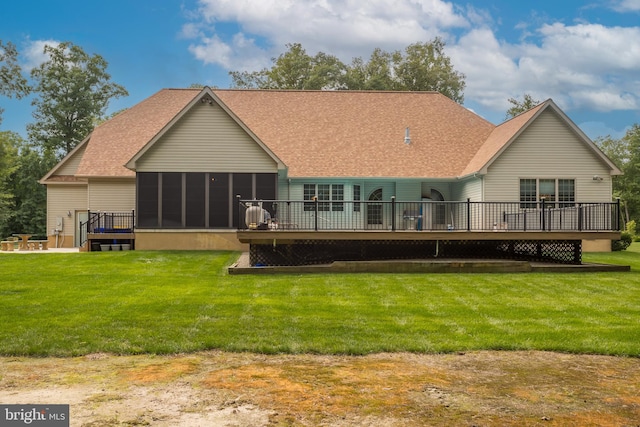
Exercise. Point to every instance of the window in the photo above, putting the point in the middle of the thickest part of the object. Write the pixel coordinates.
(323, 193)
(356, 198)
(337, 193)
(308, 193)
(566, 192)
(547, 190)
(326, 194)
(374, 210)
(528, 193)
(560, 191)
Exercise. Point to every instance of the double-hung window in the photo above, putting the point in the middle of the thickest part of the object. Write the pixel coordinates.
(556, 192)
(329, 196)
(566, 192)
(528, 193)
(357, 196)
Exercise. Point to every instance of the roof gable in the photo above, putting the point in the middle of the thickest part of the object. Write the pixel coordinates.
(68, 166)
(203, 98)
(505, 134)
(115, 141)
(499, 139)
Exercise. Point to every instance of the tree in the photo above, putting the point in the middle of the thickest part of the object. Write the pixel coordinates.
(291, 70)
(327, 72)
(628, 184)
(12, 82)
(615, 149)
(9, 142)
(519, 107)
(250, 80)
(421, 67)
(23, 201)
(294, 69)
(30, 197)
(625, 152)
(425, 67)
(373, 75)
(74, 91)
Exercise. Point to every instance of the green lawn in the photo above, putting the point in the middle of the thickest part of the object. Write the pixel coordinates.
(170, 302)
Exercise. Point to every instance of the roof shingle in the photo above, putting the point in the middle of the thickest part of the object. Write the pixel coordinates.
(116, 141)
(498, 138)
(318, 133)
(361, 134)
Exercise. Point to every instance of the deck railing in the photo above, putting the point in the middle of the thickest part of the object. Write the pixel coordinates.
(106, 222)
(394, 215)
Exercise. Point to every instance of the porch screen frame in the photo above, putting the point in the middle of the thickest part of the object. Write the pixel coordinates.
(166, 200)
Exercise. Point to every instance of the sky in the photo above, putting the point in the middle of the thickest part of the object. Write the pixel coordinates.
(585, 55)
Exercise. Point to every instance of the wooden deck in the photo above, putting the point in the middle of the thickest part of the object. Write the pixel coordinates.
(291, 236)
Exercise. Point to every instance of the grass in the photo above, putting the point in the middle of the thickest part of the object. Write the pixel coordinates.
(172, 302)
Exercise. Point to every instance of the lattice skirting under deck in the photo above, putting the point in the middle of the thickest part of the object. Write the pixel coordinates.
(310, 252)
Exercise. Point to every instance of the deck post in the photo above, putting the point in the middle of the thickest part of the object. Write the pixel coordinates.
(468, 214)
(315, 203)
(393, 213)
(543, 218)
(579, 216)
(619, 216)
(240, 220)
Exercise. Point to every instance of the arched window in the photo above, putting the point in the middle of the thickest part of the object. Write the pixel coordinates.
(374, 210)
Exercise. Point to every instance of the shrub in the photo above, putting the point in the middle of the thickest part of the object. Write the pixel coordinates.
(631, 227)
(625, 240)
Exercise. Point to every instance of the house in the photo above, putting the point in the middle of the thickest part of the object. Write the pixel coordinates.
(175, 162)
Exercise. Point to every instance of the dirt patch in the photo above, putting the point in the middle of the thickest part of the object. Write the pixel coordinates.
(228, 389)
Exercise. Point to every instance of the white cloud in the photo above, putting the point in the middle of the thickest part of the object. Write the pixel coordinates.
(344, 28)
(580, 66)
(490, 70)
(626, 5)
(33, 53)
(605, 99)
(191, 30)
(593, 46)
(240, 53)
